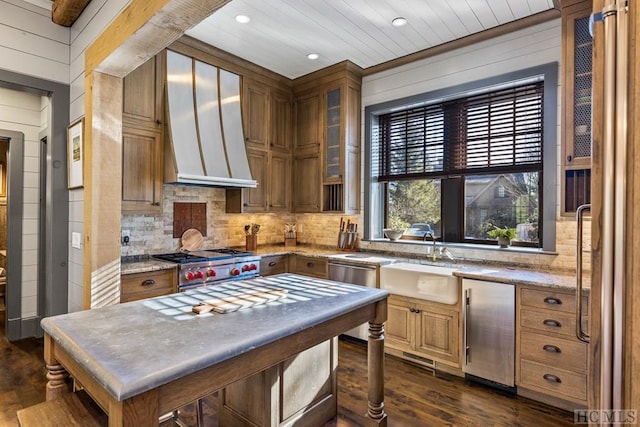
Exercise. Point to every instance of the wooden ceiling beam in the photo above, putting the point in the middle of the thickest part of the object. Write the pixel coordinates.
(65, 12)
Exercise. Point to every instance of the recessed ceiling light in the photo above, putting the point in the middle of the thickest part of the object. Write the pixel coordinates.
(399, 21)
(313, 56)
(243, 19)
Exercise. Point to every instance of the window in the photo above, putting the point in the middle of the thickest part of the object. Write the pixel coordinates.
(464, 164)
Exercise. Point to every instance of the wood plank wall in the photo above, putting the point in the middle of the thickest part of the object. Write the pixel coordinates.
(25, 112)
(31, 44)
(94, 19)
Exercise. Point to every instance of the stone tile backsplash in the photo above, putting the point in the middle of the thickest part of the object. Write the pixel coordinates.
(154, 234)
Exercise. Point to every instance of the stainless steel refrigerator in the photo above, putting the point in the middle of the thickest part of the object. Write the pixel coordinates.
(489, 332)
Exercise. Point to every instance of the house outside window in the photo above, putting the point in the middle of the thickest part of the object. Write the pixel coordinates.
(464, 164)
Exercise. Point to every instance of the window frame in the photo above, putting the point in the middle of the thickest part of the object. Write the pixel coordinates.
(374, 194)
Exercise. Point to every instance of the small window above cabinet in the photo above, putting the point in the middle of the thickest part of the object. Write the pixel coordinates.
(577, 89)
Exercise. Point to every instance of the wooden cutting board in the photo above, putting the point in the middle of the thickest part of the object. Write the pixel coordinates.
(191, 240)
(228, 304)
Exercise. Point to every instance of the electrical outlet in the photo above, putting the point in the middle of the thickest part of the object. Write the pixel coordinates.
(126, 237)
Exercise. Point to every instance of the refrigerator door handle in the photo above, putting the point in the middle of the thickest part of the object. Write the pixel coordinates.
(467, 296)
(581, 334)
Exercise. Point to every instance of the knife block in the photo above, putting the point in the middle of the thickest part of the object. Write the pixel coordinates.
(252, 242)
(347, 240)
(290, 241)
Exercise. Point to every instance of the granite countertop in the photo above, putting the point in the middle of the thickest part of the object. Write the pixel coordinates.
(145, 265)
(489, 272)
(127, 359)
(514, 276)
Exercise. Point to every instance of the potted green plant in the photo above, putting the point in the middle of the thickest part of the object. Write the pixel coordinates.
(504, 235)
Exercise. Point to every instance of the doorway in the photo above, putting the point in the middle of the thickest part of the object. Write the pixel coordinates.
(14, 143)
(4, 147)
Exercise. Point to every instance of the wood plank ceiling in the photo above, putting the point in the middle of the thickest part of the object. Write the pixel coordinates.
(281, 33)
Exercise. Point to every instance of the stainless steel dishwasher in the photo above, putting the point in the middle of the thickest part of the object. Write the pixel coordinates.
(363, 274)
(489, 332)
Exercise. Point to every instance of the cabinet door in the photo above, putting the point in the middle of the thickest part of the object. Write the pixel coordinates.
(142, 173)
(138, 286)
(437, 333)
(255, 199)
(308, 122)
(578, 82)
(333, 147)
(576, 105)
(280, 119)
(279, 182)
(310, 266)
(142, 95)
(274, 264)
(400, 325)
(306, 183)
(255, 113)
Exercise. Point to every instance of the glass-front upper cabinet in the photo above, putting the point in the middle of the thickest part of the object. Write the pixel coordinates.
(577, 91)
(333, 132)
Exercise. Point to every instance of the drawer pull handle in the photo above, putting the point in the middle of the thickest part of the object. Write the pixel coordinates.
(552, 378)
(309, 265)
(149, 282)
(272, 263)
(551, 322)
(553, 301)
(551, 348)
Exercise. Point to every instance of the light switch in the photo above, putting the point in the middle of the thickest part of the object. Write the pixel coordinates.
(76, 240)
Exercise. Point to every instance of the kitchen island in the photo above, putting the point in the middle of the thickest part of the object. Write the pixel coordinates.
(142, 359)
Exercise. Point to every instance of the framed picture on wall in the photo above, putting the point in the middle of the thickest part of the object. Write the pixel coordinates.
(75, 153)
(3, 180)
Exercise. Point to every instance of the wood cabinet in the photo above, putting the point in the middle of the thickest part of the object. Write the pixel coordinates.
(576, 104)
(267, 116)
(299, 391)
(142, 166)
(306, 182)
(550, 361)
(148, 284)
(274, 264)
(310, 266)
(143, 138)
(308, 121)
(425, 329)
(143, 96)
(267, 119)
(326, 169)
(272, 170)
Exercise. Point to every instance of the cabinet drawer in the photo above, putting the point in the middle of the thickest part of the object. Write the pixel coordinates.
(544, 321)
(275, 264)
(557, 301)
(552, 351)
(559, 382)
(309, 266)
(146, 285)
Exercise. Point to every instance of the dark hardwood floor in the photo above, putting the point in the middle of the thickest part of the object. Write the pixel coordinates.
(414, 396)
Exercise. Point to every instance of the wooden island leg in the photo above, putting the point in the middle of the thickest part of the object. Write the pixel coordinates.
(376, 415)
(58, 378)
